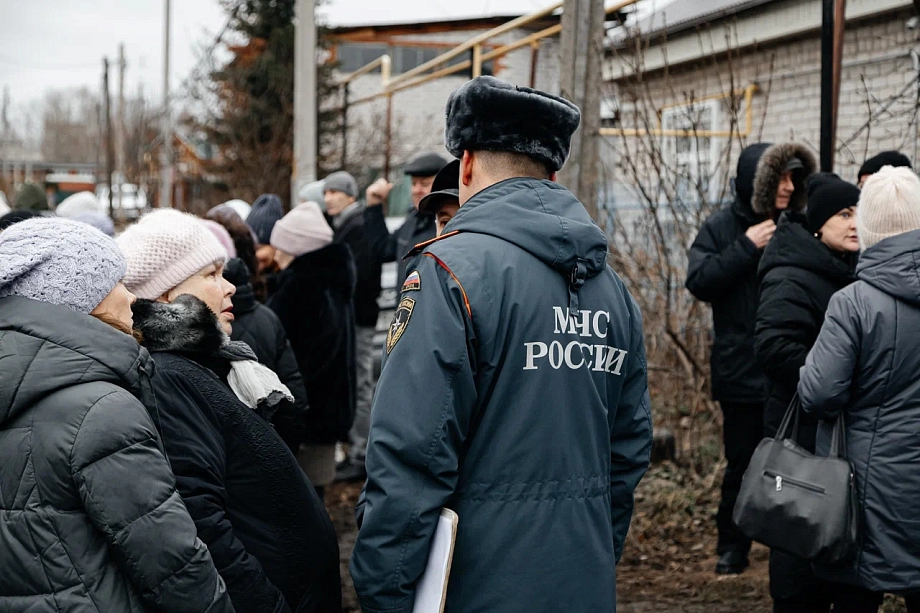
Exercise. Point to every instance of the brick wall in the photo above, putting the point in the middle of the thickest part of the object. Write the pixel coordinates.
(878, 72)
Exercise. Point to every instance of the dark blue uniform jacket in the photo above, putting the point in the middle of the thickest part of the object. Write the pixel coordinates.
(514, 391)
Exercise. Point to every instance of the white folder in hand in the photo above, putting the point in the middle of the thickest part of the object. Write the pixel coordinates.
(431, 593)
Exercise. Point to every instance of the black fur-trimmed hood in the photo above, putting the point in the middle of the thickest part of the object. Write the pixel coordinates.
(185, 325)
(770, 169)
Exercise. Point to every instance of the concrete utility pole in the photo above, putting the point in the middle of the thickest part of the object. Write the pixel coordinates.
(107, 104)
(305, 111)
(582, 41)
(166, 152)
(120, 127)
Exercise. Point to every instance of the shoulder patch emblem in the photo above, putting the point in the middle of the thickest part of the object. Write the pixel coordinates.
(413, 282)
(400, 321)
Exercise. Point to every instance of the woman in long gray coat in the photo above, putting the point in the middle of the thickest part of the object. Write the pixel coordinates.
(866, 365)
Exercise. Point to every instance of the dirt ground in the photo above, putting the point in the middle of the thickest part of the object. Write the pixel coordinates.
(669, 559)
(673, 575)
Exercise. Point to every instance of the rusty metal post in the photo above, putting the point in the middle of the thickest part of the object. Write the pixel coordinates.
(389, 136)
(839, 30)
(345, 125)
(827, 86)
(477, 61)
(534, 56)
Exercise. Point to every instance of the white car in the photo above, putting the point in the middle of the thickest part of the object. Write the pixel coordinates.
(133, 200)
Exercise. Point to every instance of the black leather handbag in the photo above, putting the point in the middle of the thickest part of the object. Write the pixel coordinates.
(797, 502)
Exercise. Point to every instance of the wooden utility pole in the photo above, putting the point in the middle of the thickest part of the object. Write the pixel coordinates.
(305, 106)
(582, 53)
(109, 152)
(166, 153)
(120, 128)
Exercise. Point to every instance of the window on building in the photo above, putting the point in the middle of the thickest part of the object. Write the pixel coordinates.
(609, 112)
(693, 158)
(353, 56)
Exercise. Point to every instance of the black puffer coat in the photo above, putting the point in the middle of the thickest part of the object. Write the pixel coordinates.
(865, 364)
(257, 325)
(723, 268)
(349, 230)
(269, 534)
(799, 275)
(313, 300)
(90, 520)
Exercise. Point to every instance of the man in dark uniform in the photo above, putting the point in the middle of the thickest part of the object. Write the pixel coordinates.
(514, 389)
(417, 228)
(444, 200)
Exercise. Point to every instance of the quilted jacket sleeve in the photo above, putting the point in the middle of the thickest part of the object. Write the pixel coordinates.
(195, 444)
(714, 267)
(130, 495)
(785, 328)
(826, 379)
(630, 436)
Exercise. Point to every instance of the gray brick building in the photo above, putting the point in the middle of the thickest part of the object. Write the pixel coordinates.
(685, 67)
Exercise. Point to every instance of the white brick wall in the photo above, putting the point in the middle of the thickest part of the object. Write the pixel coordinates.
(876, 57)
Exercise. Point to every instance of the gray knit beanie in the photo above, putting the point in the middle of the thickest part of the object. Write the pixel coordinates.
(59, 261)
(341, 181)
(888, 205)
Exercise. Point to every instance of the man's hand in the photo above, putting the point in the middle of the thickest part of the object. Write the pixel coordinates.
(761, 234)
(378, 191)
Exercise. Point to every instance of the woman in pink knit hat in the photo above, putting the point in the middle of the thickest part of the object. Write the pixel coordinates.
(268, 532)
(313, 300)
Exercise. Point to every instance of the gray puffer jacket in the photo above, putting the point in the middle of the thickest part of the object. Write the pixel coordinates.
(866, 364)
(90, 520)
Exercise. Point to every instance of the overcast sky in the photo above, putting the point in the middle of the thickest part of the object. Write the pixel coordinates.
(47, 44)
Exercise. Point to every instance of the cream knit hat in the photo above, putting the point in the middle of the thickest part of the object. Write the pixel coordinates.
(164, 249)
(302, 230)
(888, 205)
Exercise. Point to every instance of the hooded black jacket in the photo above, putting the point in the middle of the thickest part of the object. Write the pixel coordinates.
(90, 519)
(313, 301)
(723, 268)
(270, 536)
(799, 275)
(257, 325)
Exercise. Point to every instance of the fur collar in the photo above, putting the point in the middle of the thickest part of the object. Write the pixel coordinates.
(770, 169)
(185, 325)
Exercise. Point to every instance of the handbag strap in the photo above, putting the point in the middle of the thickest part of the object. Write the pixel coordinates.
(838, 439)
(790, 418)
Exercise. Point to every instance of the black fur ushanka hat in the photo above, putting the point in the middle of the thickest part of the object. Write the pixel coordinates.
(488, 114)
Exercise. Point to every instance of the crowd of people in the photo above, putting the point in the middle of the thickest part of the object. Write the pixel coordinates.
(172, 398)
(814, 284)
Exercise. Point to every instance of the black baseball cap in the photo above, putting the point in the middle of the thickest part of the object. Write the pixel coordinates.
(446, 188)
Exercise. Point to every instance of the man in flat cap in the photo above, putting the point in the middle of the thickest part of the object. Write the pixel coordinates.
(514, 388)
(417, 228)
